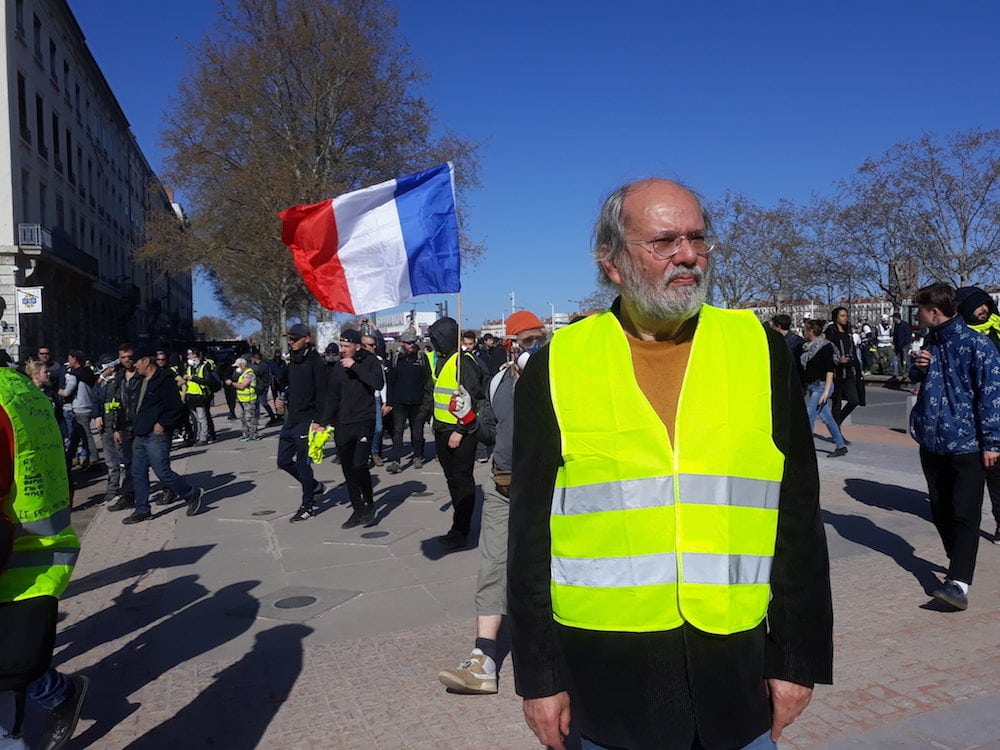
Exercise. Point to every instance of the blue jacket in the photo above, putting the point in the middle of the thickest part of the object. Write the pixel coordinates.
(958, 409)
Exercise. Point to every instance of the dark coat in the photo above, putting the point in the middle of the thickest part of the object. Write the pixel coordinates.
(161, 404)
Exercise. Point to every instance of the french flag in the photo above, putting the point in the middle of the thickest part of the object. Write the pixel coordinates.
(374, 248)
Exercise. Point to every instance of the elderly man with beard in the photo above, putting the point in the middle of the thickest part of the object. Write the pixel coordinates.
(668, 578)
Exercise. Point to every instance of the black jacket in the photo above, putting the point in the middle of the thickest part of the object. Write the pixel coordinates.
(308, 384)
(658, 690)
(161, 404)
(352, 391)
(444, 336)
(126, 393)
(412, 380)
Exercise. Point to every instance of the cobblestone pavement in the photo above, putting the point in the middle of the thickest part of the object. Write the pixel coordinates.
(174, 619)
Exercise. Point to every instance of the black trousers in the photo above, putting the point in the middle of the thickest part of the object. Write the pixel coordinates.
(354, 446)
(403, 414)
(955, 485)
(457, 464)
(845, 398)
(993, 485)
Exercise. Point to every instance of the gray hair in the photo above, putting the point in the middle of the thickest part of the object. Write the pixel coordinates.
(609, 232)
(240, 362)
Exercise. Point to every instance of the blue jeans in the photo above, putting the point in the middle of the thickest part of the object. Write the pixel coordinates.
(49, 690)
(764, 742)
(153, 451)
(824, 412)
(293, 457)
(377, 437)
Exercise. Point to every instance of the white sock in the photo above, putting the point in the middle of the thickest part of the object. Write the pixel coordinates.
(962, 585)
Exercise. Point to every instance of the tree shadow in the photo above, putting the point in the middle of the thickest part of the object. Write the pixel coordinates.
(236, 709)
(179, 639)
(155, 560)
(130, 611)
(866, 533)
(889, 497)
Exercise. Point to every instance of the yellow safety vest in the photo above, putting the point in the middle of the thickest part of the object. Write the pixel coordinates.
(45, 545)
(249, 394)
(201, 371)
(645, 534)
(445, 385)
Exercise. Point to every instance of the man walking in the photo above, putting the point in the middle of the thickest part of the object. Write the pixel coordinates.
(956, 421)
(305, 399)
(158, 413)
(456, 443)
(412, 400)
(902, 337)
(670, 593)
(126, 387)
(350, 409)
(478, 673)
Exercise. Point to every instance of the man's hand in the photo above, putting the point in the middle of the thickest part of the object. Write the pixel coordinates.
(158, 429)
(990, 458)
(788, 700)
(386, 409)
(99, 423)
(454, 439)
(347, 362)
(118, 437)
(923, 360)
(314, 427)
(548, 718)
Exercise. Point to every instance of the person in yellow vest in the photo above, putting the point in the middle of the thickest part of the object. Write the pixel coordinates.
(38, 549)
(246, 396)
(455, 442)
(668, 577)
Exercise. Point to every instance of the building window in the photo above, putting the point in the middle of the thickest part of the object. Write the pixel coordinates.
(66, 81)
(56, 151)
(53, 70)
(37, 27)
(76, 99)
(19, 18)
(25, 188)
(43, 151)
(70, 172)
(72, 223)
(22, 108)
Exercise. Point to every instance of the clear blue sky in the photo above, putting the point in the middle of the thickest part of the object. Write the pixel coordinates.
(570, 99)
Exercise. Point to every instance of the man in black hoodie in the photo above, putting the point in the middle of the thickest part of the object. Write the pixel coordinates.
(455, 441)
(350, 409)
(304, 402)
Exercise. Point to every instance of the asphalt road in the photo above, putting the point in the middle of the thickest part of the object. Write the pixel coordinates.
(886, 406)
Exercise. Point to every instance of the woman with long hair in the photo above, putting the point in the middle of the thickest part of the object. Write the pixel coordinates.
(818, 365)
(848, 388)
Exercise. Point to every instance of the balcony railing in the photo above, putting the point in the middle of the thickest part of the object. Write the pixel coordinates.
(57, 245)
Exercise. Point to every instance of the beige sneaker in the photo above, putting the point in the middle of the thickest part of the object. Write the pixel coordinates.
(475, 675)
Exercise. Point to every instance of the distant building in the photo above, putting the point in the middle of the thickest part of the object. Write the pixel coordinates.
(393, 324)
(74, 192)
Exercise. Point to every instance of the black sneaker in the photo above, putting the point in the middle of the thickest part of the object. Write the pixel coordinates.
(194, 504)
(368, 516)
(418, 463)
(137, 517)
(110, 497)
(951, 593)
(122, 503)
(318, 489)
(60, 723)
(453, 540)
(356, 519)
(996, 536)
(167, 497)
(303, 514)
(842, 451)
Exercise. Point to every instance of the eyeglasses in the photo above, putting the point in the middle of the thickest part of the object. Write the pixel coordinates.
(529, 341)
(368, 346)
(293, 339)
(43, 354)
(668, 244)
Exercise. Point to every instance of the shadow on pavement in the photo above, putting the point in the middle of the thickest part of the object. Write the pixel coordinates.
(889, 497)
(161, 558)
(863, 531)
(240, 703)
(392, 496)
(129, 612)
(179, 639)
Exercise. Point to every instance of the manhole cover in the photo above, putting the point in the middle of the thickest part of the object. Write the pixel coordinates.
(262, 512)
(374, 534)
(295, 602)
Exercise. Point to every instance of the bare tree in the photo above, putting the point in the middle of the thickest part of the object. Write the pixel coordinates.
(291, 102)
(213, 329)
(930, 205)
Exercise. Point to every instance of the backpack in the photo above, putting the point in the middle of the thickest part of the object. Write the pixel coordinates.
(262, 373)
(214, 382)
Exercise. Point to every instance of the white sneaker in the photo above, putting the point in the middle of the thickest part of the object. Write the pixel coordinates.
(475, 675)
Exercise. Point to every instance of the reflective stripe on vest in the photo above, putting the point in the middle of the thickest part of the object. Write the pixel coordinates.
(645, 534)
(45, 546)
(445, 385)
(249, 394)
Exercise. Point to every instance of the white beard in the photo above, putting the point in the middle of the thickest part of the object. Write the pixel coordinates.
(660, 301)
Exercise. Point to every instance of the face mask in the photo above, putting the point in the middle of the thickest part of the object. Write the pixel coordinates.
(193, 362)
(331, 358)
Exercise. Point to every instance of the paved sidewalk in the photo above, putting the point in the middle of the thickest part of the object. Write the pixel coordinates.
(176, 624)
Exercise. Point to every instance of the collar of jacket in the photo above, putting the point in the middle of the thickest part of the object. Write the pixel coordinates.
(949, 328)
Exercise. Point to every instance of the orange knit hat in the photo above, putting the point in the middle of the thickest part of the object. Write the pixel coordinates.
(522, 321)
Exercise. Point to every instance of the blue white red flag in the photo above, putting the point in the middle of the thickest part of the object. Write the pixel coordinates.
(374, 248)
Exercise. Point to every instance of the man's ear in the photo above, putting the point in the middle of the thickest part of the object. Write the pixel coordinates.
(609, 266)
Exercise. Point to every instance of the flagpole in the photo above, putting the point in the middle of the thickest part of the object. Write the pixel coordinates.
(458, 364)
